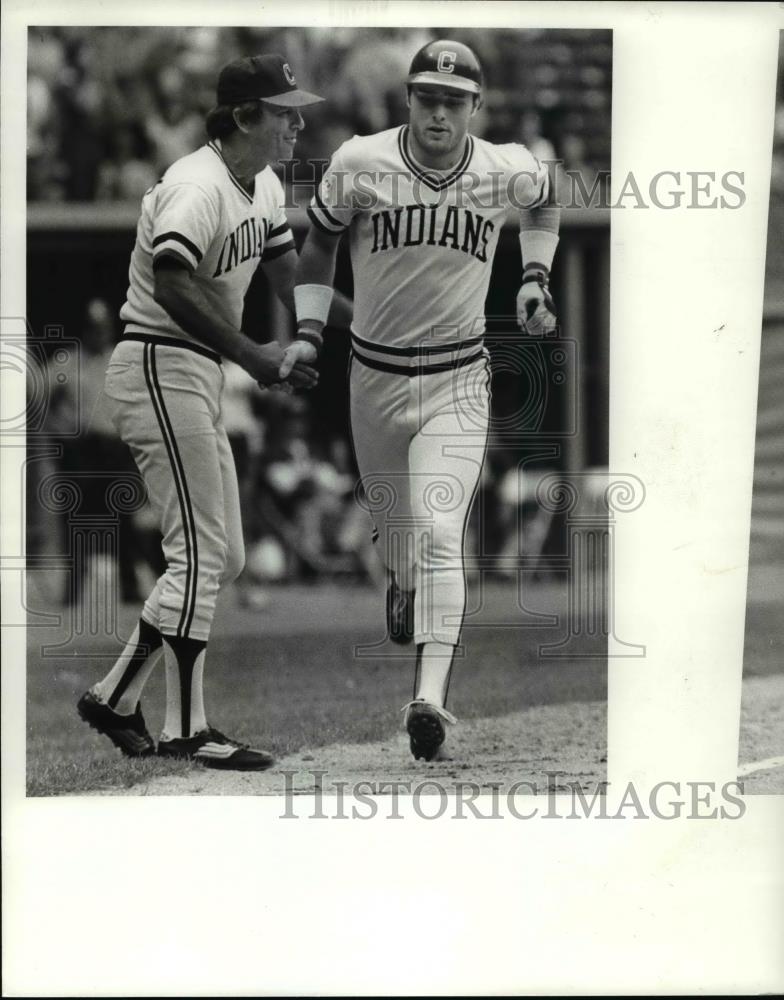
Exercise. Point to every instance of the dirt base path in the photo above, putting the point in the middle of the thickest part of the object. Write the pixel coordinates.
(762, 735)
(569, 738)
(522, 746)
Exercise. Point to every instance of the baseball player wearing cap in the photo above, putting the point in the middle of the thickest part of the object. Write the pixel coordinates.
(423, 205)
(205, 227)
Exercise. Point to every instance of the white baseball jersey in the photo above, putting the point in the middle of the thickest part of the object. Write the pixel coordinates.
(201, 214)
(422, 242)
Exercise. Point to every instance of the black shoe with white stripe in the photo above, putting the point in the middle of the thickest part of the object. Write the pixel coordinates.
(400, 614)
(215, 750)
(128, 732)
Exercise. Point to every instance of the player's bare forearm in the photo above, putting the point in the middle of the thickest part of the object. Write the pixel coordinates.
(316, 266)
(341, 312)
(189, 307)
(315, 301)
(545, 218)
(282, 275)
(539, 229)
(538, 242)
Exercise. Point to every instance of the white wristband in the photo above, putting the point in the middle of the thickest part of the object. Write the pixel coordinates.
(312, 302)
(538, 247)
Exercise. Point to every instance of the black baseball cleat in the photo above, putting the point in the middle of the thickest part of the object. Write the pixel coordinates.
(400, 614)
(128, 732)
(425, 726)
(213, 749)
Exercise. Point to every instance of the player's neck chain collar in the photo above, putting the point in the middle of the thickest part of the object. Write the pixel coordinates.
(434, 180)
(234, 179)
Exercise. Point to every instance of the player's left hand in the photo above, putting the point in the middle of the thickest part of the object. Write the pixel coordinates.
(535, 308)
(301, 376)
(301, 352)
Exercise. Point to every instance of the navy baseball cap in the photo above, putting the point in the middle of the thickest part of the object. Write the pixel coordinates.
(446, 64)
(262, 78)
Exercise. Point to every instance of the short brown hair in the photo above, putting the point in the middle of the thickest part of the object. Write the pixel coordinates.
(220, 121)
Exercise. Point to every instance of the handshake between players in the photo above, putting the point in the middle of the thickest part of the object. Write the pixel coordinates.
(535, 315)
(298, 357)
(274, 368)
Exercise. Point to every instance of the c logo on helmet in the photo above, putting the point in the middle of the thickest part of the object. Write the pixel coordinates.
(289, 75)
(446, 61)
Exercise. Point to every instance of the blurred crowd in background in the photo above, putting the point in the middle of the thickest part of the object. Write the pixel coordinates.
(302, 512)
(109, 109)
(300, 517)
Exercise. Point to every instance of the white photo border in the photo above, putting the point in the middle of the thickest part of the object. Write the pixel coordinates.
(107, 896)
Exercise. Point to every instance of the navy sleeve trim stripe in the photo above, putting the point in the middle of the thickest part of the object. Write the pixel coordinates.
(170, 254)
(329, 216)
(274, 252)
(320, 225)
(179, 238)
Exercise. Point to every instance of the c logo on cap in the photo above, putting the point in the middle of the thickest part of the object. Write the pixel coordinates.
(289, 75)
(446, 61)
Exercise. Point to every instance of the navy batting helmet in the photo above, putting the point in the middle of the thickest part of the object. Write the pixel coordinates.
(447, 64)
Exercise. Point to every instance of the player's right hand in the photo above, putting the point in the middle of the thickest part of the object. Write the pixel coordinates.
(299, 353)
(301, 376)
(262, 361)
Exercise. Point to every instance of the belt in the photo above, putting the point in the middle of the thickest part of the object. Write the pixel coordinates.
(154, 338)
(424, 359)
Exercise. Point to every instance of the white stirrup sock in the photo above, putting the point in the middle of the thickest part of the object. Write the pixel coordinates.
(121, 688)
(434, 662)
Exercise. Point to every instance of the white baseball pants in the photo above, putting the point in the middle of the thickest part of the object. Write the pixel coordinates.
(420, 434)
(165, 402)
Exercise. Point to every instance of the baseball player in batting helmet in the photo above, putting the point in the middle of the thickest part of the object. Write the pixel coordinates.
(423, 205)
(213, 218)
